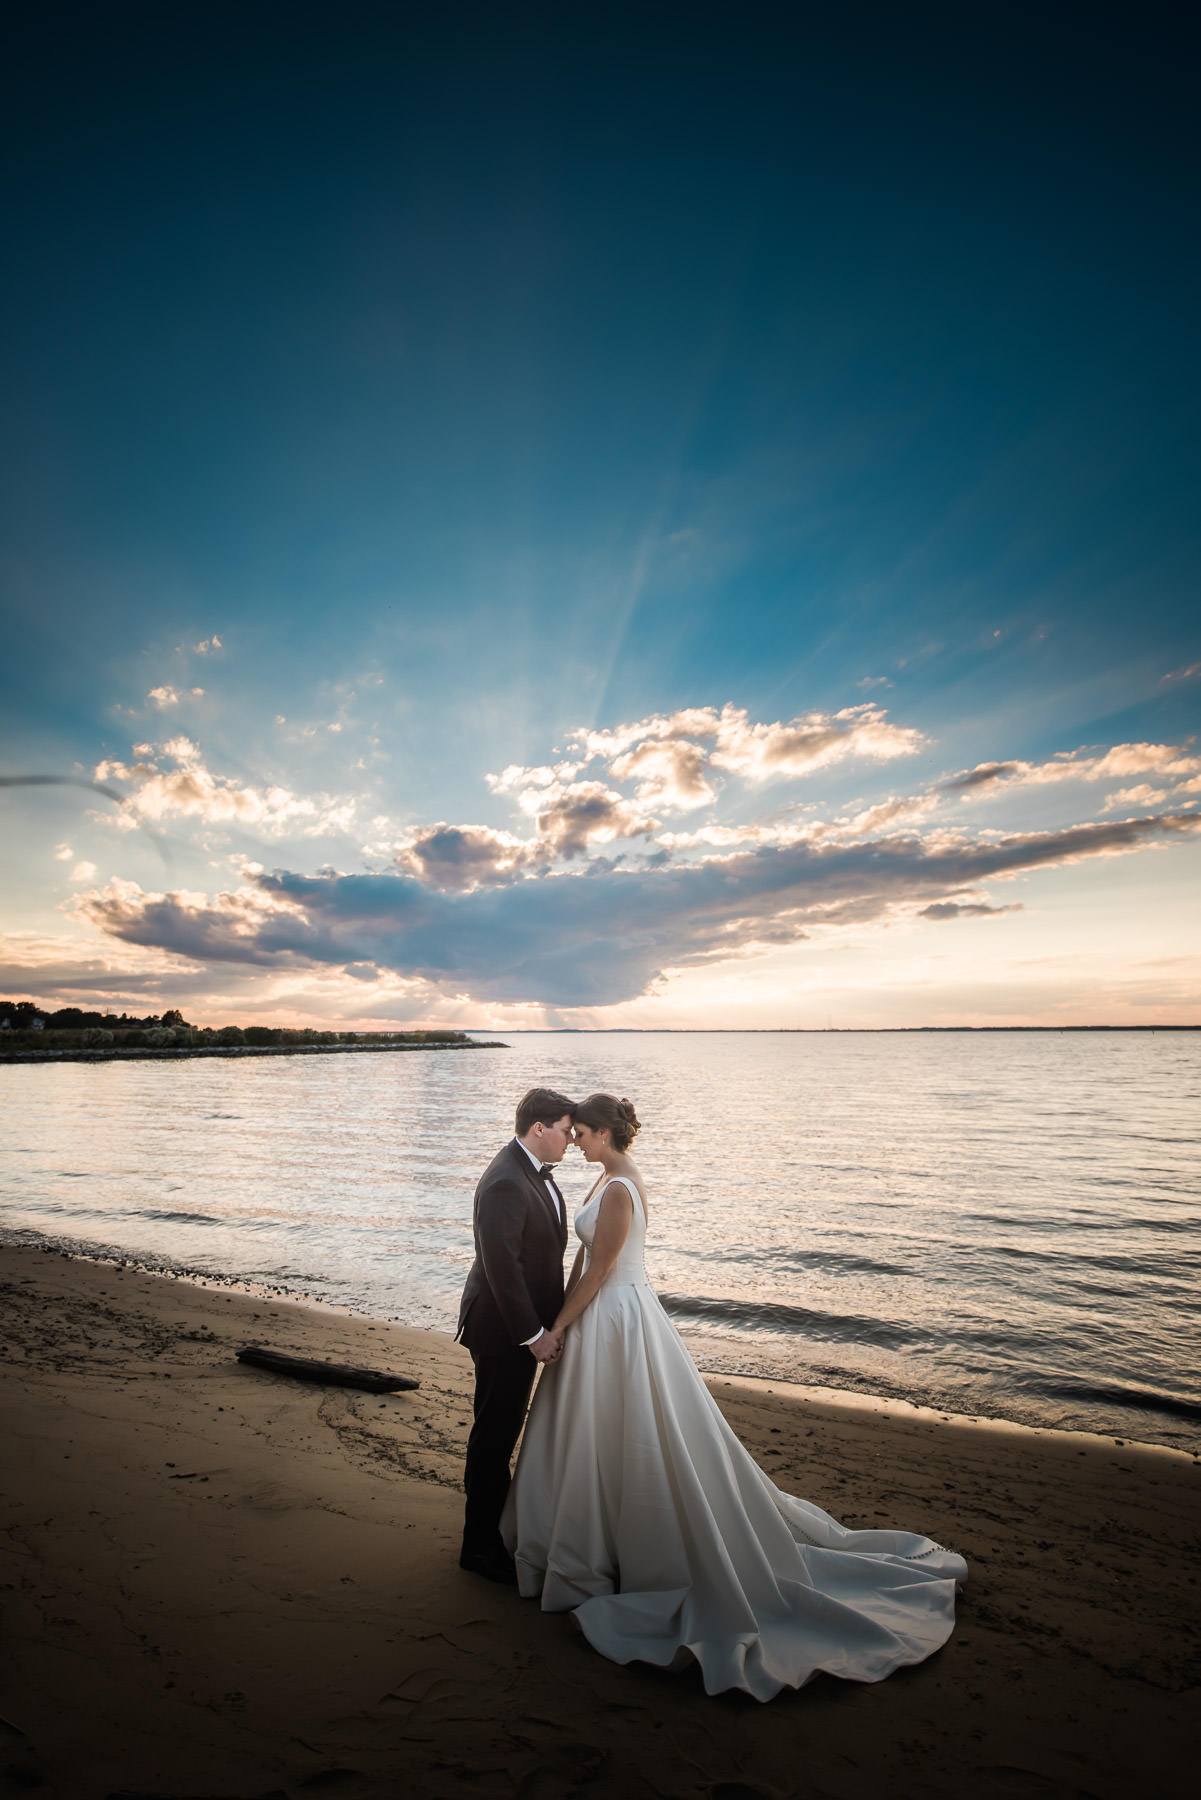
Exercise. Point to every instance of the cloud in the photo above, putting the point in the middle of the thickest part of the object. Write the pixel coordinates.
(50, 965)
(871, 681)
(666, 749)
(757, 752)
(63, 853)
(861, 825)
(518, 780)
(887, 812)
(462, 857)
(668, 774)
(671, 760)
(725, 837)
(691, 722)
(235, 927)
(1141, 759)
(981, 776)
(1116, 764)
(207, 645)
(598, 934)
(84, 871)
(1142, 795)
(570, 815)
(1187, 674)
(958, 909)
(587, 812)
(163, 697)
(189, 790)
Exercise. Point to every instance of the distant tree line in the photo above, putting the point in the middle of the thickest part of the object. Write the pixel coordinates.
(27, 1025)
(27, 1015)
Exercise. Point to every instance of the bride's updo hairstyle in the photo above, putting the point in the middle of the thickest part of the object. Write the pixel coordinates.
(604, 1112)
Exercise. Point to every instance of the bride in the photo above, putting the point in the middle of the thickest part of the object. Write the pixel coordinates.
(635, 1506)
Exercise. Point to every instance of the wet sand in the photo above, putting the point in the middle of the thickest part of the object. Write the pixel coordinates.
(219, 1582)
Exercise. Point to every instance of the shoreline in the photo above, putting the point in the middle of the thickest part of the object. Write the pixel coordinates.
(890, 1405)
(112, 1255)
(150, 1052)
(814, 1030)
(249, 1584)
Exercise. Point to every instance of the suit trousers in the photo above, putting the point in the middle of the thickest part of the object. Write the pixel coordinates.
(503, 1379)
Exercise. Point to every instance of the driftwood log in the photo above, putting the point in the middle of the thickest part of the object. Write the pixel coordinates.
(304, 1368)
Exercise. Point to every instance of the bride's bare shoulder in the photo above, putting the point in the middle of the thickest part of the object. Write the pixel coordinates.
(631, 1179)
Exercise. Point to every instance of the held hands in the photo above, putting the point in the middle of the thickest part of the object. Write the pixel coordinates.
(548, 1348)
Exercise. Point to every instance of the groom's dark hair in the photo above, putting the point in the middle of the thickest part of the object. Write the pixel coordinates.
(541, 1106)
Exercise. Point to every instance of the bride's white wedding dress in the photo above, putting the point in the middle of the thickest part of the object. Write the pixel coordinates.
(634, 1504)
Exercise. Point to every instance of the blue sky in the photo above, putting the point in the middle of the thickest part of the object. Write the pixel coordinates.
(736, 426)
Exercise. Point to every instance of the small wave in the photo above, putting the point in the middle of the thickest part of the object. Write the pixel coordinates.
(1132, 1398)
(838, 1261)
(792, 1321)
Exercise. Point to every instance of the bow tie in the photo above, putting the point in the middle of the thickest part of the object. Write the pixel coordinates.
(547, 1171)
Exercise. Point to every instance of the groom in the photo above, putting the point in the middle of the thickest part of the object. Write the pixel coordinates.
(514, 1286)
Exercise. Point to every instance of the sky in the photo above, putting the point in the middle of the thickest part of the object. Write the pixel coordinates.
(676, 516)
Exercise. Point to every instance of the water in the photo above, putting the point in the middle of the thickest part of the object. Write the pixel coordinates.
(1001, 1224)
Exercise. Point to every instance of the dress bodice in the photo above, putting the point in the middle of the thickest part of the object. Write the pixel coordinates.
(630, 1268)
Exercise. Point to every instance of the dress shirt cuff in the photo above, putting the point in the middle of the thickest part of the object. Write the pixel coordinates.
(526, 1342)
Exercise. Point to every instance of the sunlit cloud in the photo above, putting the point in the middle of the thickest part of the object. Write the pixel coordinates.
(1120, 762)
(462, 857)
(570, 815)
(600, 935)
(232, 927)
(1142, 795)
(164, 697)
(667, 774)
(517, 780)
(965, 909)
(725, 837)
(754, 751)
(1140, 759)
(173, 782)
(907, 811)
(582, 813)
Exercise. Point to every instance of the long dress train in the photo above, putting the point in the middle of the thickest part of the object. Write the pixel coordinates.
(634, 1504)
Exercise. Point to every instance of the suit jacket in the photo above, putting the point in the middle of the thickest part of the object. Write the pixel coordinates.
(515, 1285)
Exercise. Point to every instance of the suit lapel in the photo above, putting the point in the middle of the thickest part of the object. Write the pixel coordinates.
(542, 1189)
(560, 1211)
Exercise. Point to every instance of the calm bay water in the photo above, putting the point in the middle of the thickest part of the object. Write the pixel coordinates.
(1002, 1224)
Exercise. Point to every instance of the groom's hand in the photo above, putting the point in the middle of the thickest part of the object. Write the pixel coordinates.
(548, 1347)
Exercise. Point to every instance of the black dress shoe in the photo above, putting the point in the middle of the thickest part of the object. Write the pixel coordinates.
(493, 1565)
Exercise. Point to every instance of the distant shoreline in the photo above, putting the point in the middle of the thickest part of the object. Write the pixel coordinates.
(802, 1030)
(143, 1053)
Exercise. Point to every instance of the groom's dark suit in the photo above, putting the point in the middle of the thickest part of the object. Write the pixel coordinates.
(514, 1289)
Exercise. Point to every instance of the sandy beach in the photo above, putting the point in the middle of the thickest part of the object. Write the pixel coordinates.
(219, 1582)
